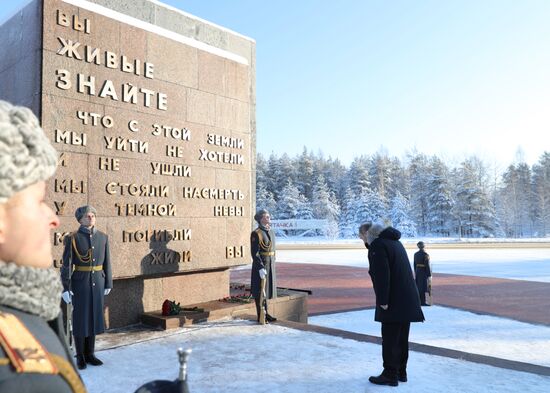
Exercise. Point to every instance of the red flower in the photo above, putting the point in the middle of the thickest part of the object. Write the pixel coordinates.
(170, 308)
(166, 307)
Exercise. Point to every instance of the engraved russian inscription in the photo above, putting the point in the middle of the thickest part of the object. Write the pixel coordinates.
(131, 147)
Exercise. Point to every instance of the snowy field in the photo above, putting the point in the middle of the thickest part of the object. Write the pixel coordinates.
(459, 330)
(241, 356)
(531, 264)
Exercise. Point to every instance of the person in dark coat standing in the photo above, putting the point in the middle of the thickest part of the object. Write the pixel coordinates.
(86, 276)
(422, 272)
(34, 356)
(397, 301)
(262, 249)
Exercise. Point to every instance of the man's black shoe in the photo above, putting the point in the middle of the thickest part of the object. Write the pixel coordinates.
(93, 360)
(80, 362)
(383, 380)
(402, 377)
(269, 318)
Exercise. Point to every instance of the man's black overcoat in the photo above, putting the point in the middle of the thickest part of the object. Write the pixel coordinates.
(393, 280)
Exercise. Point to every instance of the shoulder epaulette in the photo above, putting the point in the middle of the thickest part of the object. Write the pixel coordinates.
(24, 351)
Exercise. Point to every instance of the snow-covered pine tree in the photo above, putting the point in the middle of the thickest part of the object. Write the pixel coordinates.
(261, 171)
(325, 206)
(474, 209)
(358, 175)
(380, 175)
(400, 216)
(370, 207)
(541, 194)
(265, 200)
(440, 220)
(418, 169)
(348, 222)
(280, 172)
(289, 202)
(304, 179)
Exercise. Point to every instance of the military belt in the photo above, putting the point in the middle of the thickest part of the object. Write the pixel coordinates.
(88, 268)
(267, 254)
(419, 265)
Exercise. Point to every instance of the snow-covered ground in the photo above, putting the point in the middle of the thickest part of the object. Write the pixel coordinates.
(241, 356)
(460, 330)
(410, 240)
(532, 264)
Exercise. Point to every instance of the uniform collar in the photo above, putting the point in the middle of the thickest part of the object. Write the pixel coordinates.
(263, 228)
(87, 231)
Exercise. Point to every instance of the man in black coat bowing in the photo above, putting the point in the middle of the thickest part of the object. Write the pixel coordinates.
(397, 300)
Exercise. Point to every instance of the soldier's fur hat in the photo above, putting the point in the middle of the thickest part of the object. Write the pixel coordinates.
(26, 154)
(83, 210)
(259, 214)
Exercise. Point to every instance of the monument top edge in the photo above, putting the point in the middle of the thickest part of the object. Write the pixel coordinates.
(98, 7)
(167, 6)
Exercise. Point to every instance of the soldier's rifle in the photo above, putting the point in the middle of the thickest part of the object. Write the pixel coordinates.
(69, 306)
(262, 302)
(430, 299)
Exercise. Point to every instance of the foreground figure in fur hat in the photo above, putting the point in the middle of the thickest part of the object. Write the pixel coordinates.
(33, 353)
(262, 249)
(87, 279)
(397, 300)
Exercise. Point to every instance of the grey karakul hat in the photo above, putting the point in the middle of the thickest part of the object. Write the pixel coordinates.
(83, 210)
(26, 154)
(259, 214)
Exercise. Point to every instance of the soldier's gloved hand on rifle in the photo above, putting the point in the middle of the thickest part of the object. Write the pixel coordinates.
(67, 296)
(262, 273)
(107, 291)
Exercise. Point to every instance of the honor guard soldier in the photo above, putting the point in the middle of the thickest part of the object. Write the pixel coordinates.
(86, 276)
(34, 356)
(422, 273)
(262, 248)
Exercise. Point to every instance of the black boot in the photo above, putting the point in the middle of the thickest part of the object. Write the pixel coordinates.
(79, 348)
(383, 380)
(402, 376)
(93, 360)
(80, 362)
(269, 318)
(89, 352)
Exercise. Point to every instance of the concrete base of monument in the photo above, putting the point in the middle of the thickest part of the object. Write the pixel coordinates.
(290, 305)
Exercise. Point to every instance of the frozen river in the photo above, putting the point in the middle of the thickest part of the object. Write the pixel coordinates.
(532, 264)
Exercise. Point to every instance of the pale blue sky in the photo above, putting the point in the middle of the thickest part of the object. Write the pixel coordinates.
(348, 77)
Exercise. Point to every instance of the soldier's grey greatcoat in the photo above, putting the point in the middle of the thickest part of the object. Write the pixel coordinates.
(50, 336)
(422, 271)
(91, 274)
(262, 248)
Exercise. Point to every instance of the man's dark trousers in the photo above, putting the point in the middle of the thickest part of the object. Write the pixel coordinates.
(395, 348)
